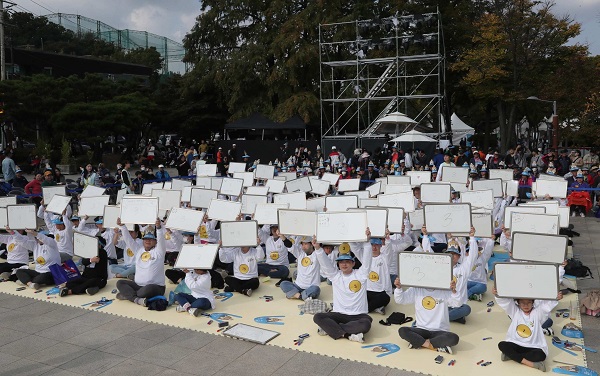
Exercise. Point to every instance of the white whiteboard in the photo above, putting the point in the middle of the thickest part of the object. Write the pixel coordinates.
(288, 175)
(223, 210)
(192, 256)
(435, 193)
(395, 219)
(239, 234)
(9, 200)
(374, 189)
(483, 225)
(550, 177)
(215, 183)
(504, 175)
(454, 174)
(511, 188)
(550, 205)
(206, 170)
(341, 203)
(417, 219)
(168, 185)
(92, 206)
(341, 227)
(3, 218)
(376, 220)
(557, 189)
(426, 270)
(167, 198)
(186, 193)
(396, 188)
(58, 204)
(247, 177)
(120, 194)
(444, 218)
(539, 247)
(148, 187)
(297, 200)
(85, 246)
(297, 222)
(201, 197)
(21, 217)
(249, 203)
(521, 209)
(180, 184)
(275, 186)
(257, 191)
(419, 177)
(362, 195)
(383, 182)
(405, 200)
(48, 192)
(331, 178)
(319, 187)
(91, 191)
(398, 180)
(564, 214)
(231, 187)
(536, 223)
(109, 218)
(348, 185)
(251, 333)
(315, 204)
(364, 202)
(479, 199)
(266, 214)
(141, 210)
(298, 185)
(459, 187)
(205, 182)
(236, 167)
(264, 172)
(494, 184)
(188, 220)
(536, 281)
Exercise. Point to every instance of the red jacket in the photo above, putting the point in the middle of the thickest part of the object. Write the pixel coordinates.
(33, 187)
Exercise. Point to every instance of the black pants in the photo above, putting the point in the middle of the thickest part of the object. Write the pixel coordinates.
(518, 353)
(437, 338)
(242, 284)
(336, 324)
(79, 285)
(28, 275)
(171, 257)
(7, 267)
(176, 275)
(130, 290)
(377, 299)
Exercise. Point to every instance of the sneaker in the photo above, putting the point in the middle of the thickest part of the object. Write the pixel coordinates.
(582, 216)
(140, 301)
(321, 332)
(180, 309)
(540, 365)
(410, 346)
(573, 214)
(5, 275)
(34, 286)
(548, 331)
(476, 297)
(356, 338)
(64, 292)
(445, 349)
(92, 290)
(194, 312)
(504, 357)
(380, 310)
(247, 292)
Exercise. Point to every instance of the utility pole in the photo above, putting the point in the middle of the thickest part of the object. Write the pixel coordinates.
(2, 54)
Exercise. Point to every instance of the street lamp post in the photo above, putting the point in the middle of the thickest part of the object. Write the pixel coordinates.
(554, 121)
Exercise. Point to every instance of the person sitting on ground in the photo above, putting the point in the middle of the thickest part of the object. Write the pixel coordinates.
(201, 298)
(525, 342)
(45, 254)
(276, 248)
(477, 281)
(379, 287)
(245, 268)
(149, 265)
(432, 325)
(309, 272)
(349, 318)
(127, 268)
(94, 276)
(17, 254)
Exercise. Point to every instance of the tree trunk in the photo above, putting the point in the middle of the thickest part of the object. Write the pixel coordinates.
(488, 127)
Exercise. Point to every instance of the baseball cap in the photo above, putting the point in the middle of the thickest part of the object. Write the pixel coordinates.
(149, 235)
(58, 221)
(345, 256)
(452, 250)
(376, 241)
(48, 173)
(161, 166)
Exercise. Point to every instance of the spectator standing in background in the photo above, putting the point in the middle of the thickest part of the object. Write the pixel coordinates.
(9, 169)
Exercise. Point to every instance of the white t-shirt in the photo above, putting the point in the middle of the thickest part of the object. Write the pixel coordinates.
(309, 271)
(149, 265)
(431, 306)
(16, 253)
(199, 285)
(480, 270)
(245, 265)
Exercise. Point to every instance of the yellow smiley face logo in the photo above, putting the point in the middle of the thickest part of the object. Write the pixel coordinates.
(167, 236)
(454, 279)
(57, 237)
(11, 247)
(306, 261)
(40, 260)
(523, 331)
(344, 248)
(354, 286)
(428, 303)
(373, 277)
(203, 233)
(244, 268)
(145, 256)
(274, 255)
(129, 252)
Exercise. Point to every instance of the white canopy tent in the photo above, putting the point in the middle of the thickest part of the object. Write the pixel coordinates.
(459, 128)
(413, 136)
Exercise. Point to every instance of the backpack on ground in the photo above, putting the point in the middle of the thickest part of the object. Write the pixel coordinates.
(577, 269)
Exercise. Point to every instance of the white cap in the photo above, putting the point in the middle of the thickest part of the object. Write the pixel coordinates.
(161, 166)
(333, 148)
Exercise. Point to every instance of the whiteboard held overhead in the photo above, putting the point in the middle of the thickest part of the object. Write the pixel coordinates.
(425, 270)
(302, 184)
(297, 222)
(483, 224)
(223, 210)
(249, 203)
(405, 200)
(398, 180)
(275, 186)
(539, 247)
(193, 256)
(417, 219)
(239, 234)
(444, 218)
(257, 191)
(167, 198)
(479, 199)
(535, 223)
(9, 200)
(374, 189)
(264, 172)
(556, 189)
(188, 220)
(348, 185)
(536, 281)
(48, 192)
(376, 220)
(91, 191)
(206, 170)
(504, 175)
(296, 200)
(419, 177)
(331, 178)
(319, 187)
(3, 217)
(84, 245)
(236, 167)
(341, 227)
(266, 214)
(180, 184)
(21, 217)
(494, 184)
(521, 209)
(454, 174)
(247, 177)
(341, 203)
(141, 210)
(231, 187)
(58, 204)
(93, 206)
(201, 197)
(435, 193)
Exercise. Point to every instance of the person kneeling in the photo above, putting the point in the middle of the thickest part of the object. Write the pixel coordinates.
(201, 298)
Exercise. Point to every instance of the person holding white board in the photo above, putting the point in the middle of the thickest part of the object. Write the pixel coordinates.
(16, 254)
(45, 254)
(245, 268)
(63, 234)
(379, 286)
(525, 342)
(477, 281)
(309, 272)
(201, 297)
(276, 246)
(94, 276)
(127, 268)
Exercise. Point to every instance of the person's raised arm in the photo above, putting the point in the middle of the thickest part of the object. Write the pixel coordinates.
(160, 237)
(367, 256)
(126, 236)
(328, 268)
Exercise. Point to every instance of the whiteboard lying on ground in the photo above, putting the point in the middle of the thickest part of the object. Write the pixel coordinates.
(348, 185)
(194, 256)
(479, 199)
(404, 200)
(91, 191)
(296, 200)
(426, 270)
(223, 210)
(239, 234)
(297, 222)
(249, 203)
(275, 186)
(298, 185)
(137, 209)
(444, 218)
(266, 214)
(84, 245)
(58, 204)
(319, 187)
(21, 217)
(251, 333)
(264, 172)
(93, 206)
(201, 197)
(419, 177)
(521, 209)
(435, 193)
(535, 281)
(206, 170)
(376, 220)
(341, 227)
(341, 203)
(454, 174)
(556, 189)
(504, 175)
(539, 247)
(494, 184)
(535, 223)
(48, 192)
(188, 220)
